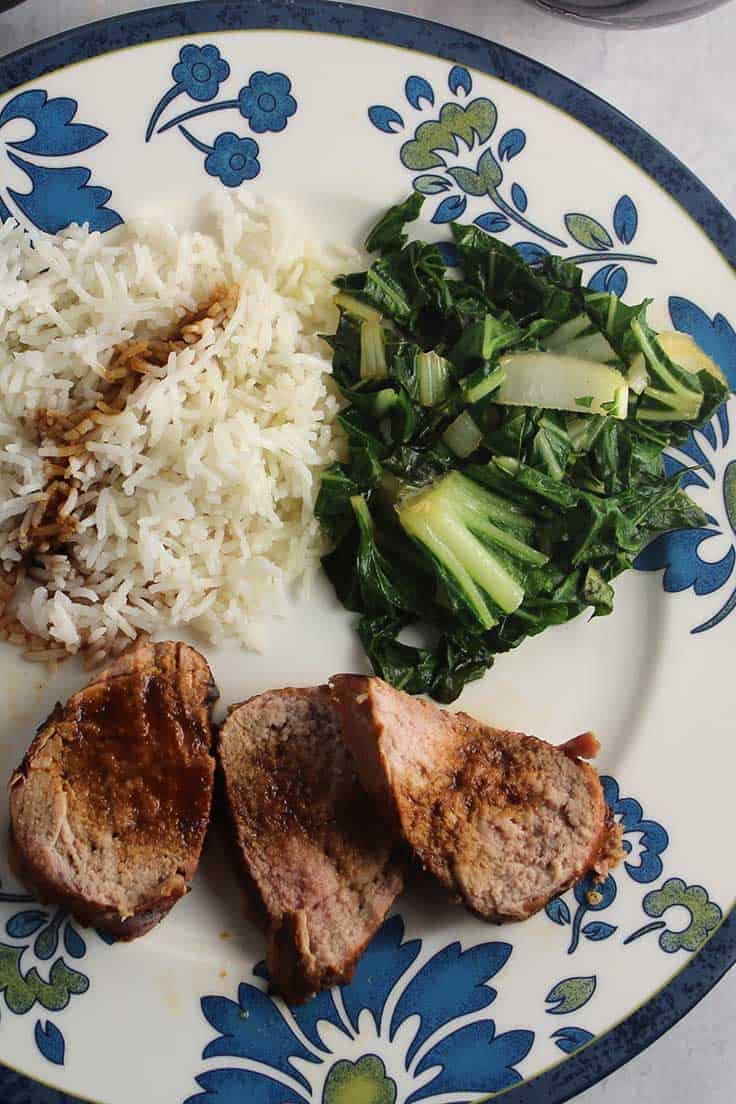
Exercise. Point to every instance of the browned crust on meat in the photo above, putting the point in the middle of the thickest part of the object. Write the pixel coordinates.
(111, 803)
(585, 746)
(610, 849)
(503, 820)
(319, 867)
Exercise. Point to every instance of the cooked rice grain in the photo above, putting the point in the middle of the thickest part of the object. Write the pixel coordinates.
(189, 500)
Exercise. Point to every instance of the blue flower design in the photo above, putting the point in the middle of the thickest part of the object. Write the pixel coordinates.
(50, 1041)
(703, 559)
(625, 220)
(644, 865)
(460, 80)
(611, 278)
(570, 1039)
(36, 969)
(644, 841)
(35, 920)
(54, 131)
(427, 1024)
(266, 102)
(418, 89)
(59, 194)
(511, 144)
(200, 71)
(233, 159)
(25, 988)
(716, 336)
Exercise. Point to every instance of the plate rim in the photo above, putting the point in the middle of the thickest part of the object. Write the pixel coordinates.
(666, 1007)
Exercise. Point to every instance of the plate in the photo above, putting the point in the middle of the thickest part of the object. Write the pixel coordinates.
(444, 1009)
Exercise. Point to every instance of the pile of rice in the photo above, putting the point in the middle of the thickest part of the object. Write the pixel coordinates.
(192, 505)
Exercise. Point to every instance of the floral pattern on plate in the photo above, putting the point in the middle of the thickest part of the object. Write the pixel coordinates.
(704, 560)
(40, 935)
(471, 164)
(406, 1019)
(265, 102)
(61, 192)
(413, 1028)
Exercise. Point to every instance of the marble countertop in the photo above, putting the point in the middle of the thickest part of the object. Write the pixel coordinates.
(679, 84)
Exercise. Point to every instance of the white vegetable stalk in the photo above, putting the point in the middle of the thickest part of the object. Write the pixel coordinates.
(462, 435)
(433, 375)
(560, 382)
(372, 351)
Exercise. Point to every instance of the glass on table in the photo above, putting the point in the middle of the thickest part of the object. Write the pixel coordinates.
(629, 13)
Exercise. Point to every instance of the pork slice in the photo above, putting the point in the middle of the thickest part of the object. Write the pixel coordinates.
(317, 859)
(504, 821)
(109, 808)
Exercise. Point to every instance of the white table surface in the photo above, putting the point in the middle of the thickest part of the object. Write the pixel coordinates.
(679, 83)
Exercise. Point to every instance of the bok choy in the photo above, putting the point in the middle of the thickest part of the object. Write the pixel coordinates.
(505, 429)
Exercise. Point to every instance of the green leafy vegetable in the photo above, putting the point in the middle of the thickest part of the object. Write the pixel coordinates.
(388, 233)
(379, 591)
(477, 543)
(478, 385)
(505, 433)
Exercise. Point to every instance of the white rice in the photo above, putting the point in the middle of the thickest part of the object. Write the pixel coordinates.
(195, 504)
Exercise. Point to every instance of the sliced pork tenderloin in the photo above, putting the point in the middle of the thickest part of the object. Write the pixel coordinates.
(110, 806)
(319, 863)
(504, 821)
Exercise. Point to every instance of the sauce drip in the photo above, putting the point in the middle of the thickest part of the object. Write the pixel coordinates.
(142, 762)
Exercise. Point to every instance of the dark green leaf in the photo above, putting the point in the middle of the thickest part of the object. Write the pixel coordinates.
(388, 234)
(339, 567)
(597, 592)
(360, 432)
(483, 341)
(419, 466)
(410, 669)
(529, 479)
(332, 508)
(383, 588)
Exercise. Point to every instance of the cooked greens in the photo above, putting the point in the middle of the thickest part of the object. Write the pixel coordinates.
(505, 429)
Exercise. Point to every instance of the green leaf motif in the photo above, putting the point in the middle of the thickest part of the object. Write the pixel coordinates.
(705, 915)
(468, 180)
(489, 171)
(570, 995)
(588, 232)
(361, 1082)
(22, 992)
(429, 184)
(477, 120)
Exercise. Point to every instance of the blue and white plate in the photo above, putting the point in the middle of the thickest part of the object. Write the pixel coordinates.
(344, 110)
